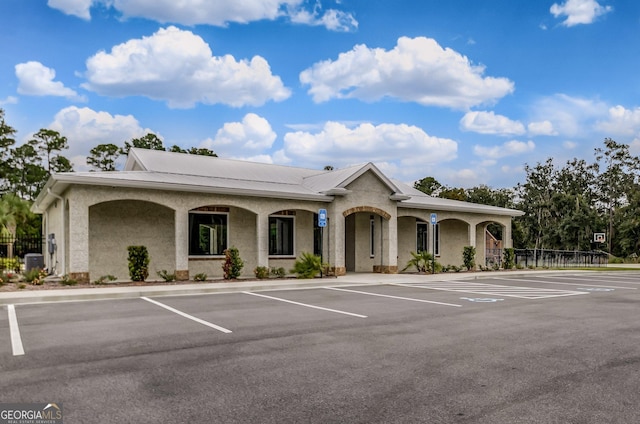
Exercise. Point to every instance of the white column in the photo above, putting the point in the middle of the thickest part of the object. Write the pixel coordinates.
(336, 231)
(181, 223)
(262, 239)
(79, 241)
(392, 243)
(507, 236)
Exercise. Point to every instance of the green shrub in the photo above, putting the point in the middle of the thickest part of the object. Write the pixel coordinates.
(166, 276)
(616, 260)
(66, 281)
(22, 286)
(308, 266)
(519, 266)
(200, 277)
(509, 258)
(469, 257)
(35, 276)
(261, 272)
(278, 272)
(233, 264)
(138, 263)
(103, 279)
(422, 262)
(11, 264)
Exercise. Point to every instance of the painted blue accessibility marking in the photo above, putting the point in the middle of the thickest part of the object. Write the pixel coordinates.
(482, 299)
(596, 289)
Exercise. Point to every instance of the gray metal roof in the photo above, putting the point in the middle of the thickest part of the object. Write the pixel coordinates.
(153, 169)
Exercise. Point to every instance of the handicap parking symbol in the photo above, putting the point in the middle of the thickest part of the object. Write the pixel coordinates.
(482, 299)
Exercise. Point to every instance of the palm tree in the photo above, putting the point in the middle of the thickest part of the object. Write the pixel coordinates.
(13, 211)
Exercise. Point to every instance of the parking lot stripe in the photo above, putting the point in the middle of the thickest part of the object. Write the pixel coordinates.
(182, 314)
(305, 304)
(493, 289)
(564, 284)
(394, 297)
(16, 341)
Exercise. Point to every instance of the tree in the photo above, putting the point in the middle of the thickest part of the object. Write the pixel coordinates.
(536, 195)
(103, 157)
(453, 193)
(6, 141)
(13, 212)
(428, 185)
(176, 149)
(149, 141)
(620, 171)
(47, 142)
(202, 152)
(28, 175)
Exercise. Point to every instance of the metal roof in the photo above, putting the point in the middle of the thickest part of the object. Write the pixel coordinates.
(161, 170)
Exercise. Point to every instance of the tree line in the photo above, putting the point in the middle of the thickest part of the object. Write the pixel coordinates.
(564, 205)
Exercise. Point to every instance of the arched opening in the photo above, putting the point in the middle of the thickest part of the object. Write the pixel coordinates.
(115, 225)
(366, 238)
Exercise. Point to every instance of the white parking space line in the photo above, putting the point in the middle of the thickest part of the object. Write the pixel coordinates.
(16, 341)
(393, 297)
(493, 289)
(306, 305)
(191, 317)
(565, 284)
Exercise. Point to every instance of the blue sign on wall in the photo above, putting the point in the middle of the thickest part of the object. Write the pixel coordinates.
(322, 218)
(434, 218)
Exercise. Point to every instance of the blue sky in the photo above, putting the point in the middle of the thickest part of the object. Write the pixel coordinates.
(464, 91)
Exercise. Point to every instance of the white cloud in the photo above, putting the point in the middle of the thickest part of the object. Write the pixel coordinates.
(407, 147)
(541, 128)
(579, 11)
(79, 8)
(490, 123)
(86, 128)
(218, 12)
(416, 69)
(571, 117)
(569, 145)
(621, 121)
(332, 19)
(177, 66)
(253, 134)
(510, 148)
(35, 79)
(10, 100)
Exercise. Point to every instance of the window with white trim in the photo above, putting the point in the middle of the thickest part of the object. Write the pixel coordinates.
(281, 235)
(207, 234)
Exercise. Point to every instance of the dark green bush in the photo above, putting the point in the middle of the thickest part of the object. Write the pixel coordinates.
(261, 272)
(200, 276)
(166, 276)
(233, 264)
(422, 262)
(138, 263)
(308, 266)
(509, 256)
(469, 257)
(278, 272)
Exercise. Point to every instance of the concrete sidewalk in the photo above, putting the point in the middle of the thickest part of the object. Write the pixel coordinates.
(101, 292)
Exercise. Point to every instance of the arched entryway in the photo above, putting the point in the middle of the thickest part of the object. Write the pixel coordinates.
(366, 239)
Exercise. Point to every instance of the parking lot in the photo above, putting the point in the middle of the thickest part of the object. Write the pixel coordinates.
(537, 348)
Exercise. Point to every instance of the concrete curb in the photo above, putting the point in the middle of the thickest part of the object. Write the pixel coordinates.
(103, 293)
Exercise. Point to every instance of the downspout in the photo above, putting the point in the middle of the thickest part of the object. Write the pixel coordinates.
(62, 207)
(381, 245)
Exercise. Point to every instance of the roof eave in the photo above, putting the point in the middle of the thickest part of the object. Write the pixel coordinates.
(471, 209)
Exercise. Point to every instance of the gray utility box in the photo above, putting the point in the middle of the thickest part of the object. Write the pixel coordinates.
(33, 261)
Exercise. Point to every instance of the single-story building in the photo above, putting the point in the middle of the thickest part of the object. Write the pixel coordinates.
(187, 209)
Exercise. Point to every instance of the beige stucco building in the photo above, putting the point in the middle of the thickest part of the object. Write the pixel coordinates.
(186, 209)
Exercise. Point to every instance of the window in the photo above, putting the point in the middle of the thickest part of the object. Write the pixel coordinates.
(317, 236)
(422, 242)
(372, 240)
(281, 235)
(207, 234)
(422, 238)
